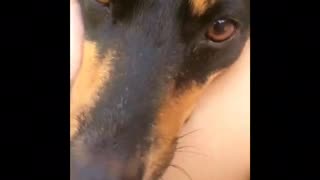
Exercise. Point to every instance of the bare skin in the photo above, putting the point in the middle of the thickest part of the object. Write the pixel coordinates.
(219, 149)
(76, 37)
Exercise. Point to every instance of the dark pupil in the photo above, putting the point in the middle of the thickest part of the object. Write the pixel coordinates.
(219, 27)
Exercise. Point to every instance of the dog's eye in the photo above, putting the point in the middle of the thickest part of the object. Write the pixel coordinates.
(104, 2)
(221, 30)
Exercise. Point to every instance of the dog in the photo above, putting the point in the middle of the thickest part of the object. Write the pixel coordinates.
(145, 64)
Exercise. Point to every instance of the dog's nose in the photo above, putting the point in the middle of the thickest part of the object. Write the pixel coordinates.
(96, 170)
(91, 173)
(104, 169)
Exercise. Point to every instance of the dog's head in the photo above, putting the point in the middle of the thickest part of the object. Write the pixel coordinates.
(145, 64)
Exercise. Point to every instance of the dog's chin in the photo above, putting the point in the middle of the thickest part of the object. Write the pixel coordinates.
(155, 170)
(158, 174)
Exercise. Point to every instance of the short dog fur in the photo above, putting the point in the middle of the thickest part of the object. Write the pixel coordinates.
(145, 64)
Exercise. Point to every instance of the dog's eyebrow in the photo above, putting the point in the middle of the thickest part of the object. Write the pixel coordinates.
(199, 7)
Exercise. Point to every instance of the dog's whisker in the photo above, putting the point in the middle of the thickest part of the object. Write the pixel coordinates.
(189, 133)
(182, 147)
(181, 170)
(192, 152)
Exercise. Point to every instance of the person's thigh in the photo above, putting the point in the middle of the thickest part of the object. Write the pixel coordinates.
(76, 38)
(219, 149)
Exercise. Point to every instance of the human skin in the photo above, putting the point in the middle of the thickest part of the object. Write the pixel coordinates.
(220, 148)
(76, 37)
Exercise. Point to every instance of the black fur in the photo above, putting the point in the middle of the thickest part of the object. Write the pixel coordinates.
(156, 42)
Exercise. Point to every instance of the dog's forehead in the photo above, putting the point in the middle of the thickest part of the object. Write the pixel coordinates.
(144, 15)
(196, 7)
(167, 10)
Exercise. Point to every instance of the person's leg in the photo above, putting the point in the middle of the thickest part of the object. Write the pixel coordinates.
(220, 149)
(76, 38)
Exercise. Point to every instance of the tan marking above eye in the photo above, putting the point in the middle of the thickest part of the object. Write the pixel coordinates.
(198, 7)
(91, 78)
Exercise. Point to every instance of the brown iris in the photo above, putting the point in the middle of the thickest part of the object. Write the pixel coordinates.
(221, 30)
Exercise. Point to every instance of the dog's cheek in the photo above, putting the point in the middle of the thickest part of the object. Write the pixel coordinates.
(175, 109)
(92, 77)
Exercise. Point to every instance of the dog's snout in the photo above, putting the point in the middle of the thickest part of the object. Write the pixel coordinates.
(95, 170)
(93, 167)
(90, 172)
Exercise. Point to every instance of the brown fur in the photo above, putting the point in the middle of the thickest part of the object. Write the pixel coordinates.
(85, 91)
(176, 108)
(198, 7)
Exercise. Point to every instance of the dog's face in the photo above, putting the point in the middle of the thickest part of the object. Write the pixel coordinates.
(145, 64)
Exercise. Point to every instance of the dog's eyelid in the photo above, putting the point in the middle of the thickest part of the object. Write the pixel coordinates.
(105, 3)
(226, 16)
